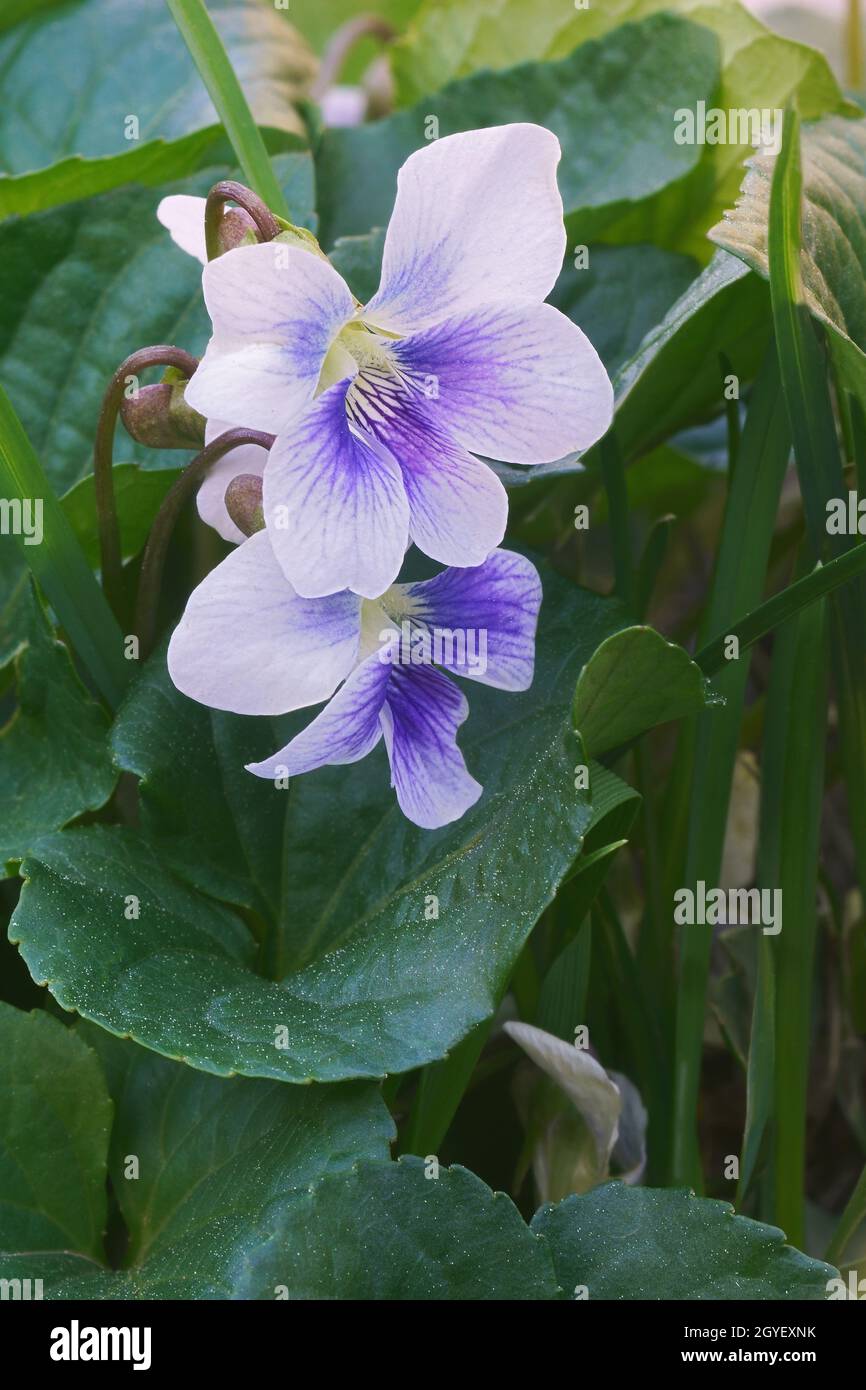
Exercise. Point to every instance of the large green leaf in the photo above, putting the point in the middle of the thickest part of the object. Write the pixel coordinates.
(377, 984)
(833, 245)
(54, 757)
(197, 1165)
(213, 1153)
(676, 376)
(759, 69)
(623, 293)
(154, 163)
(74, 73)
(55, 1118)
(621, 1242)
(610, 104)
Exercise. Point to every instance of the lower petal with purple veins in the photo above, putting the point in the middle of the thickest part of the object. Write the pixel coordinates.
(347, 729)
(420, 719)
(335, 504)
(458, 508)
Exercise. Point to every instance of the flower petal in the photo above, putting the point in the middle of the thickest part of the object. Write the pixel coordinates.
(275, 310)
(247, 643)
(183, 216)
(517, 382)
(458, 508)
(347, 729)
(211, 496)
(478, 217)
(483, 620)
(420, 719)
(335, 504)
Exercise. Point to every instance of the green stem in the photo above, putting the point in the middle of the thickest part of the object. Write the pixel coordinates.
(59, 564)
(777, 610)
(613, 473)
(110, 558)
(156, 549)
(207, 52)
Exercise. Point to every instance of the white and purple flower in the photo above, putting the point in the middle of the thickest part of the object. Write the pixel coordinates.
(250, 644)
(379, 411)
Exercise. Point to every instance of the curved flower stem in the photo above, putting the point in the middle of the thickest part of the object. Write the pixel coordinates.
(229, 191)
(156, 549)
(335, 55)
(161, 355)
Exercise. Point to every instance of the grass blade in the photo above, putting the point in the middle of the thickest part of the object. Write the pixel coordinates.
(207, 52)
(704, 780)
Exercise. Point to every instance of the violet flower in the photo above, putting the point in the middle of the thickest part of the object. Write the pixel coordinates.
(250, 644)
(380, 411)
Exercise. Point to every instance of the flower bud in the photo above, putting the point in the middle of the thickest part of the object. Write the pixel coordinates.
(237, 228)
(244, 503)
(159, 416)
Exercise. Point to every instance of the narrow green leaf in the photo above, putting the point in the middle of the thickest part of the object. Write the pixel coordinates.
(207, 51)
(698, 806)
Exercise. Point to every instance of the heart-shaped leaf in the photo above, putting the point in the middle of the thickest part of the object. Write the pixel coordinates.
(54, 759)
(56, 1119)
(398, 940)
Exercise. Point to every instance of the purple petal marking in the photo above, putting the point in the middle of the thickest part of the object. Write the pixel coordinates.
(458, 508)
(516, 382)
(480, 622)
(347, 729)
(478, 217)
(275, 311)
(335, 504)
(420, 719)
(247, 643)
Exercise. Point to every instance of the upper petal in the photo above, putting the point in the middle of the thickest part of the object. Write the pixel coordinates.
(517, 382)
(249, 644)
(482, 620)
(420, 719)
(211, 496)
(335, 504)
(347, 729)
(275, 310)
(478, 217)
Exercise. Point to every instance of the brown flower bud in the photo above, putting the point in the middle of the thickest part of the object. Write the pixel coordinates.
(244, 503)
(237, 228)
(159, 416)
